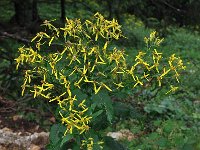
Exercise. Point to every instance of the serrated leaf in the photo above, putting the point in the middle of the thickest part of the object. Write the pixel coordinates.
(103, 99)
(101, 122)
(56, 132)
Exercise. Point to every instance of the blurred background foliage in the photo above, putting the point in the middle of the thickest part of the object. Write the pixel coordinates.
(158, 122)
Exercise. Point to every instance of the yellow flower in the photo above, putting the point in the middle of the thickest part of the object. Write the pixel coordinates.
(137, 82)
(104, 85)
(159, 80)
(156, 53)
(96, 90)
(77, 118)
(77, 83)
(164, 72)
(40, 35)
(173, 89)
(82, 104)
(50, 26)
(131, 72)
(105, 47)
(145, 76)
(152, 35)
(146, 40)
(57, 98)
(139, 56)
(119, 85)
(51, 40)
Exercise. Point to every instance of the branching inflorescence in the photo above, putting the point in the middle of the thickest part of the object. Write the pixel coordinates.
(77, 56)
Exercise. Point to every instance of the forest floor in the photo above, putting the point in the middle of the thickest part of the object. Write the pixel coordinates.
(17, 133)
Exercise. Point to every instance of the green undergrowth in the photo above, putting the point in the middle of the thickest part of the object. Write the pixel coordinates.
(171, 122)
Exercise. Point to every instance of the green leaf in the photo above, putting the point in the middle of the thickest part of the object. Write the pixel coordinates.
(66, 139)
(93, 106)
(53, 146)
(121, 110)
(100, 122)
(169, 126)
(56, 133)
(188, 147)
(111, 144)
(79, 94)
(96, 114)
(153, 136)
(157, 123)
(76, 147)
(103, 99)
(124, 111)
(162, 142)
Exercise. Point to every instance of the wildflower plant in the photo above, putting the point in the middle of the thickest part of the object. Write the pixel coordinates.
(76, 68)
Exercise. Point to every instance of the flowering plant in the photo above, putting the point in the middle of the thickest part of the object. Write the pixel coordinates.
(76, 67)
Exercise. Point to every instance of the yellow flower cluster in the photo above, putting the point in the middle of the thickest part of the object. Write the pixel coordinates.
(27, 55)
(153, 68)
(153, 40)
(72, 28)
(80, 63)
(104, 28)
(75, 118)
(175, 64)
(90, 143)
